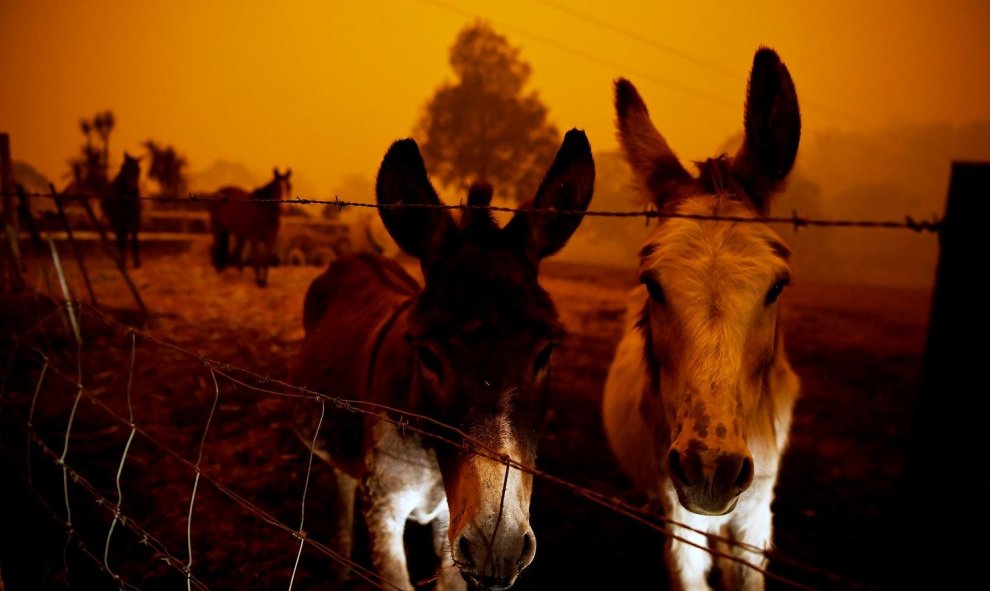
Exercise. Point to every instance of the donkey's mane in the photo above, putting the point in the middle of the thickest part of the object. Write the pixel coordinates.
(717, 178)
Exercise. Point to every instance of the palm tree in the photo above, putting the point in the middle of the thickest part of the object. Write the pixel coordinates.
(104, 123)
(167, 168)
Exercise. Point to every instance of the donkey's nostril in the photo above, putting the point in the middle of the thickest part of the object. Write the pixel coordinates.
(528, 551)
(745, 477)
(676, 469)
(465, 548)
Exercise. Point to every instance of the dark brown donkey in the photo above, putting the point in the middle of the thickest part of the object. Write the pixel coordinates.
(250, 217)
(472, 348)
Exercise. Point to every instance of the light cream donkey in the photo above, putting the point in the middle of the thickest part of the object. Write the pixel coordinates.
(698, 401)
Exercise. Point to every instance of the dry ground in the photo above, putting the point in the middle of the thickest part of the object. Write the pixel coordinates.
(857, 349)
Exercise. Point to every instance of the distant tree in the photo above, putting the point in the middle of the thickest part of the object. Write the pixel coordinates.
(90, 169)
(485, 125)
(167, 168)
(103, 124)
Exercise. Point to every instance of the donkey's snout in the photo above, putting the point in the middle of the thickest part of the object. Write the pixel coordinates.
(494, 564)
(709, 484)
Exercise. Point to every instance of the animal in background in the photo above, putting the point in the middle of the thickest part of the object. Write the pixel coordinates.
(252, 218)
(121, 204)
(698, 400)
(472, 348)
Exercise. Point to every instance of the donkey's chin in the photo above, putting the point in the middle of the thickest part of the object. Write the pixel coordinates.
(702, 504)
(489, 583)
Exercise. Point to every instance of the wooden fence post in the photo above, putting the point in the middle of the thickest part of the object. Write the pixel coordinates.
(945, 494)
(72, 242)
(10, 260)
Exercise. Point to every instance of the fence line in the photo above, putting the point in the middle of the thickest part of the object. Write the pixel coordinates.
(81, 544)
(243, 502)
(615, 505)
(795, 220)
(472, 445)
(148, 539)
(405, 420)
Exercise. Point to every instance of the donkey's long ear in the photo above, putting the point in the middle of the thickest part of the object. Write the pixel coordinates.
(568, 185)
(419, 230)
(653, 162)
(773, 129)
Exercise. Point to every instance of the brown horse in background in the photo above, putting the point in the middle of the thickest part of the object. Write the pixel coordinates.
(121, 204)
(471, 348)
(250, 217)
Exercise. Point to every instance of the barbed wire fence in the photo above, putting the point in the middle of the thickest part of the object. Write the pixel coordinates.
(251, 381)
(51, 361)
(795, 220)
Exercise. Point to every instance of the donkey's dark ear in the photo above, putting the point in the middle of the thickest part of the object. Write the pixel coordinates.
(420, 229)
(773, 129)
(568, 186)
(655, 165)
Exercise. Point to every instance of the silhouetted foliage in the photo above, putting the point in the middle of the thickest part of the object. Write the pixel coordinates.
(167, 168)
(486, 126)
(89, 170)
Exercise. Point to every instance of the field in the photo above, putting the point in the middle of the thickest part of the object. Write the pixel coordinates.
(857, 350)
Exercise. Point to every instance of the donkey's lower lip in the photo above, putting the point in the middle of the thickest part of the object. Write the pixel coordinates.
(707, 510)
(476, 582)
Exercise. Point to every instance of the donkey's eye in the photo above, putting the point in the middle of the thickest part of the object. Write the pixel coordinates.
(542, 360)
(653, 286)
(430, 361)
(775, 290)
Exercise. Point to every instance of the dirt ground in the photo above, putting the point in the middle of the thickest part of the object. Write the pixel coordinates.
(858, 351)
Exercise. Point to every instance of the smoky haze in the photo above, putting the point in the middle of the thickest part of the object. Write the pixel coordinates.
(902, 170)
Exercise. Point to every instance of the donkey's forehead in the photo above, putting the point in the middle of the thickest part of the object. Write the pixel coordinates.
(734, 252)
(494, 292)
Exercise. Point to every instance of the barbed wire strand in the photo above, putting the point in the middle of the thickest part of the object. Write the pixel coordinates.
(244, 503)
(123, 458)
(302, 510)
(795, 220)
(157, 546)
(199, 460)
(479, 448)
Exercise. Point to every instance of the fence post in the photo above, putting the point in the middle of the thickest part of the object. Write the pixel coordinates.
(10, 260)
(946, 491)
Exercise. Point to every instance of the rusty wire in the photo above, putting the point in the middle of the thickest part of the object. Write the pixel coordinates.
(794, 220)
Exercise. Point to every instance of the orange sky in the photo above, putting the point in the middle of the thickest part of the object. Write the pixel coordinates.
(324, 87)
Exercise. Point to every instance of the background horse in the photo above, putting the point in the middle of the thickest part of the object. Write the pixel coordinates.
(121, 204)
(252, 218)
(698, 400)
(472, 348)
